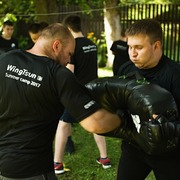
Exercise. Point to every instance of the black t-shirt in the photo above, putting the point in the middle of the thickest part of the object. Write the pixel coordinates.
(120, 51)
(85, 60)
(6, 45)
(33, 93)
(166, 74)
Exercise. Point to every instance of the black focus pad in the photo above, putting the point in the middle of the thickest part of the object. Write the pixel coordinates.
(109, 92)
(139, 97)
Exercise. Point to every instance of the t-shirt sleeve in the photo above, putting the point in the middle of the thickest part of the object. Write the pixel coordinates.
(113, 47)
(74, 96)
(175, 90)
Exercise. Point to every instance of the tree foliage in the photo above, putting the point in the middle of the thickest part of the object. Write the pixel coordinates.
(26, 10)
(21, 9)
(45, 10)
(83, 4)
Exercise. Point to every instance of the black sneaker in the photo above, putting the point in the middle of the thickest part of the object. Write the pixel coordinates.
(58, 168)
(70, 146)
(105, 162)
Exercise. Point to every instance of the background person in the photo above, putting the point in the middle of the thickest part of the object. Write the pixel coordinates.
(84, 65)
(120, 50)
(35, 30)
(145, 41)
(7, 41)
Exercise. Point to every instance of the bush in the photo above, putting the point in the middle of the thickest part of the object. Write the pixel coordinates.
(102, 48)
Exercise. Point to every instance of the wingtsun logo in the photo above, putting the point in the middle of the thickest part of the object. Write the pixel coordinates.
(20, 72)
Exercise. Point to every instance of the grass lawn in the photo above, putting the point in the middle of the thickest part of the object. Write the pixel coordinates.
(102, 72)
(82, 163)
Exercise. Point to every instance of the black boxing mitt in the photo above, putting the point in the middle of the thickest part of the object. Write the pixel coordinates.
(142, 100)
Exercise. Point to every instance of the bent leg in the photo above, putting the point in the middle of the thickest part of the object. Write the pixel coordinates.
(166, 166)
(131, 165)
(62, 133)
(101, 144)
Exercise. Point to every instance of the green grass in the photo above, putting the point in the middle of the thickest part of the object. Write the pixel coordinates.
(102, 72)
(82, 163)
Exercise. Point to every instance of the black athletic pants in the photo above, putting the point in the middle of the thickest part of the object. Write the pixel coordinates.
(134, 164)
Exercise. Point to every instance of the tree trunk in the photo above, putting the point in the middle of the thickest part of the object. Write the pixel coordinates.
(47, 10)
(112, 26)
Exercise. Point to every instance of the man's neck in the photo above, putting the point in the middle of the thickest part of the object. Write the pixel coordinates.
(77, 34)
(6, 37)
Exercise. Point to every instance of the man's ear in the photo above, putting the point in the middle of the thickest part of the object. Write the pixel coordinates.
(157, 45)
(57, 45)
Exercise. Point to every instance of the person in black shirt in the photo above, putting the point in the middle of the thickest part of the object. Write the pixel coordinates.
(7, 42)
(120, 50)
(35, 30)
(35, 88)
(84, 65)
(145, 41)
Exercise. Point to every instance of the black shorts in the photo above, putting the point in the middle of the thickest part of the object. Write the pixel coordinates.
(66, 117)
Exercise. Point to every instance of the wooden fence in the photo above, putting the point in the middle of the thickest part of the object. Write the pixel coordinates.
(167, 14)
